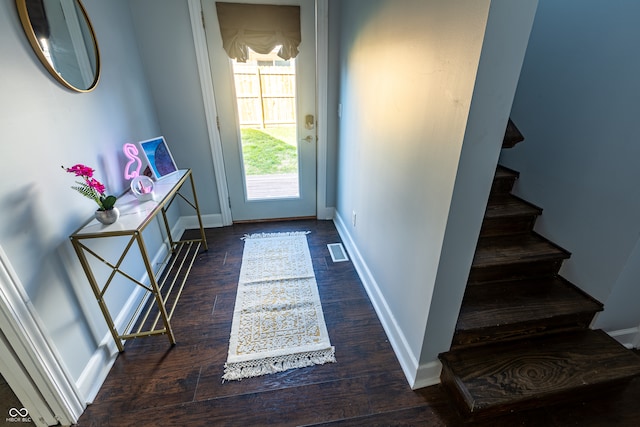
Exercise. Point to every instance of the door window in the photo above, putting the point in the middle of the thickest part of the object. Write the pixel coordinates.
(265, 87)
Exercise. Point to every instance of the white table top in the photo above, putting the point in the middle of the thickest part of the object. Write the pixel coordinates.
(135, 214)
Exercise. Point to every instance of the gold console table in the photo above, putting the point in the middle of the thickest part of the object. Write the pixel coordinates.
(166, 288)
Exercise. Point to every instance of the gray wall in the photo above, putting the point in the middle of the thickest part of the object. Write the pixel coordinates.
(44, 126)
(407, 77)
(163, 33)
(503, 50)
(577, 103)
(422, 121)
(149, 87)
(401, 142)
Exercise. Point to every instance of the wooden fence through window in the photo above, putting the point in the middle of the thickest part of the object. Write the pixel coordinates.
(266, 95)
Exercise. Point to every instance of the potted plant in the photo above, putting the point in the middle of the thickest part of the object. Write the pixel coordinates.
(93, 189)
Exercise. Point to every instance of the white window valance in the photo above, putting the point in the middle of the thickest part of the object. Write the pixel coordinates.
(259, 27)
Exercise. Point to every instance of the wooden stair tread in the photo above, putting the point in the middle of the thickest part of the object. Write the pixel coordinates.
(522, 339)
(507, 214)
(518, 374)
(504, 303)
(505, 172)
(506, 206)
(520, 248)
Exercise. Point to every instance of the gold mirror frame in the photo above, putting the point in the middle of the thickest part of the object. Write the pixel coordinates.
(86, 29)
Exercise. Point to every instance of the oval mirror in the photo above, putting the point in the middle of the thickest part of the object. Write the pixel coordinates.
(61, 34)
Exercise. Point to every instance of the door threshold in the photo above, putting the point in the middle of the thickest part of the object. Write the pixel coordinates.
(296, 218)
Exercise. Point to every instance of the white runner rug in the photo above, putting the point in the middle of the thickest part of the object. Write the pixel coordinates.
(278, 322)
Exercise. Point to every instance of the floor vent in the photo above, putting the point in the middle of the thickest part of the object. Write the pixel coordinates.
(338, 254)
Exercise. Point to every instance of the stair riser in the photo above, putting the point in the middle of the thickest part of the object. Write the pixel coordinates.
(471, 414)
(502, 186)
(514, 271)
(512, 135)
(455, 390)
(469, 338)
(503, 227)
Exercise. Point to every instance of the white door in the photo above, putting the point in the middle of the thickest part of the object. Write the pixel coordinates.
(266, 118)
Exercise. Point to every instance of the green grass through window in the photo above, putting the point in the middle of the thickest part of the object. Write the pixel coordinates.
(265, 154)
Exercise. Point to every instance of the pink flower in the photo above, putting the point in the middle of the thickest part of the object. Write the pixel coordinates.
(81, 170)
(96, 185)
(91, 187)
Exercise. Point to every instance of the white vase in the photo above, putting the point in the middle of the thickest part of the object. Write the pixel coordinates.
(109, 216)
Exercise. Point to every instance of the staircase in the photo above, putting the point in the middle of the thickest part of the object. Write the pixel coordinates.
(522, 339)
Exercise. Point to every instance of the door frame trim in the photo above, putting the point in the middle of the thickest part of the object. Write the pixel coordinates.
(208, 97)
(211, 114)
(37, 375)
(322, 116)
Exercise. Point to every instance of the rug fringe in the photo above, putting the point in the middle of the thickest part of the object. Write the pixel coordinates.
(272, 365)
(281, 234)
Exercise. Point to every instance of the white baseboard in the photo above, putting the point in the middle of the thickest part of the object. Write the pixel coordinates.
(191, 222)
(408, 361)
(95, 373)
(103, 358)
(325, 213)
(428, 374)
(630, 338)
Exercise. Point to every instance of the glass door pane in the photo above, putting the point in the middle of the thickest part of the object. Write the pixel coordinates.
(265, 88)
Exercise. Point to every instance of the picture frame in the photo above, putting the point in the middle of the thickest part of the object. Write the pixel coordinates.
(158, 157)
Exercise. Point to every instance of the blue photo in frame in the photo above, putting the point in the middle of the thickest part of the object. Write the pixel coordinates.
(158, 157)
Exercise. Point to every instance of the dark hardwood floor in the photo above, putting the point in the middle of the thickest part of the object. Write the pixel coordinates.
(154, 384)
